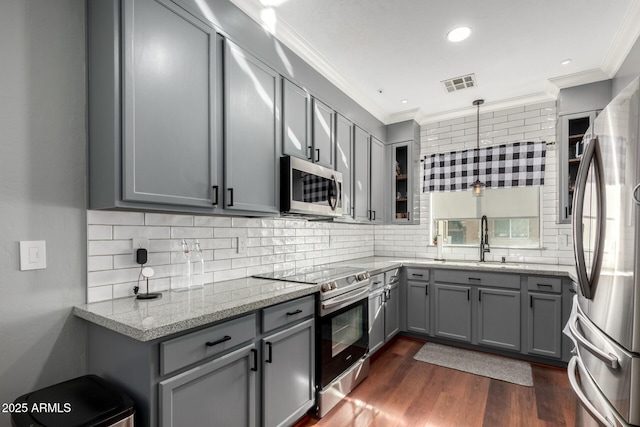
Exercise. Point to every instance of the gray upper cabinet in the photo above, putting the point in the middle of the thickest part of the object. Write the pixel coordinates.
(252, 132)
(405, 183)
(344, 162)
(453, 311)
(323, 151)
(295, 120)
(154, 108)
(377, 175)
(221, 392)
(361, 174)
(499, 318)
(289, 364)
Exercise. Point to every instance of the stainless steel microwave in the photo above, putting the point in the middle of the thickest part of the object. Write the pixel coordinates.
(309, 189)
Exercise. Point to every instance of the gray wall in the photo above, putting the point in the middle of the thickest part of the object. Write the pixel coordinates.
(629, 69)
(42, 192)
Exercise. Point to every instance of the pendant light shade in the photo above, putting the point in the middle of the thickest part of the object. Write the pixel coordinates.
(478, 186)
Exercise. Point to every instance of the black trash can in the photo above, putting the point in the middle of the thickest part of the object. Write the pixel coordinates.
(87, 401)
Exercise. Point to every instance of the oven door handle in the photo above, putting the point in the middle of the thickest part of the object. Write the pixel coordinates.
(334, 302)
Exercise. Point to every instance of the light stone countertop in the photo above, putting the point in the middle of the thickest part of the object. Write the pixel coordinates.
(146, 320)
(179, 311)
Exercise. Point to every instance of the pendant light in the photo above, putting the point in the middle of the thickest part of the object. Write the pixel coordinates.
(478, 186)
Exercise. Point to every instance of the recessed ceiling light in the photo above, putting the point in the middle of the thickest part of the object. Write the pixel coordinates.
(566, 61)
(404, 101)
(458, 34)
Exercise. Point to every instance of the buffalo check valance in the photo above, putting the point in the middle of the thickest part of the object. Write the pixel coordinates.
(511, 165)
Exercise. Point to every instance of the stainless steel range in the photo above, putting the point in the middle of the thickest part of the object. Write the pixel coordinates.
(343, 330)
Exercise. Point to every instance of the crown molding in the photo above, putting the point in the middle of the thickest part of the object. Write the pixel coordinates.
(623, 41)
(288, 36)
(577, 79)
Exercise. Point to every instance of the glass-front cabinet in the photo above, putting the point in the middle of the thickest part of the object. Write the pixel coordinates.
(405, 182)
(572, 131)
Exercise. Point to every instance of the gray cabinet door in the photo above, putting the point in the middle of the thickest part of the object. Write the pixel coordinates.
(295, 121)
(544, 324)
(344, 161)
(221, 392)
(361, 174)
(418, 307)
(377, 179)
(323, 142)
(453, 311)
(376, 321)
(289, 363)
(392, 313)
(252, 132)
(499, 318)
(170, 106)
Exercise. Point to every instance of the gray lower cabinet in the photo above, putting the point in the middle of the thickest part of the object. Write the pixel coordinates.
(361, 174)
(418, 307)
(392, 312)
(344, 162)
(452, 311)
(498, 320)
(544, 334)
(288, 372)
(252, 132)
(376, 320)
(295, 120)
(221, 392)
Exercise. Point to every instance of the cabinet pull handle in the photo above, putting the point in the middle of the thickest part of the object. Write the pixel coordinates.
(544, 285)
(292, 313)
(230, 197)
(426, 290)
(566, 212)
(468, 294)
(377, 282)
(220, 341)
(215, 195)
(255, 359)
(479, 295)
(530, 301)
(270, 353)
(417, 275)
(374, 215)
(475, 279)
(317, 154)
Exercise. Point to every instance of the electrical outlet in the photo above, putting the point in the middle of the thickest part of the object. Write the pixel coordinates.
(137, 243)
(242, 245)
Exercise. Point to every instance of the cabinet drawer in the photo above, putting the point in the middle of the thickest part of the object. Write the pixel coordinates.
(285, 313)
(191, 348)
(496, 280)
(377, 281)
(417, 274)
(544, 284)
(392, 277)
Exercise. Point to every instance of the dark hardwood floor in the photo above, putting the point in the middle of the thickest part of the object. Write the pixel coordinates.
(401, 391)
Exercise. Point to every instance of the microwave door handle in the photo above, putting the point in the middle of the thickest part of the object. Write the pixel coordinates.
(610, 359)
(571, 371)
(576, 221)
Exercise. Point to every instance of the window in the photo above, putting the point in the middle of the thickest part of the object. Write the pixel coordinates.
(513, 217)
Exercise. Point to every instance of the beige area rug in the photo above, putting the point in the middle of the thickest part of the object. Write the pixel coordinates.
(497, 367)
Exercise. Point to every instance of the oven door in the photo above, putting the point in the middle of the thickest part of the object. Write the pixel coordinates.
(344, 339)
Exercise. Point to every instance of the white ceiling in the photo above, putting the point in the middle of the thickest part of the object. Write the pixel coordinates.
(400, 48)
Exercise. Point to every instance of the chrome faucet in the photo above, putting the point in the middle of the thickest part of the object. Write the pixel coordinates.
(484, 237)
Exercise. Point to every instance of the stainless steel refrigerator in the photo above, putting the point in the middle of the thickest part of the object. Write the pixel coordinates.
(604, 371)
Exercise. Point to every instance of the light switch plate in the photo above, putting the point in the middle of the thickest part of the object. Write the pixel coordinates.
(33, 255)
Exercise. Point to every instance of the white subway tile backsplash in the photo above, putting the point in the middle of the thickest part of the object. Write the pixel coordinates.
(99, 232)
(109, 247)
(121, 232)
(165, 219)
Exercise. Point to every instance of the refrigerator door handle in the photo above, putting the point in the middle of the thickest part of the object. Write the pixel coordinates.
(571, 371)
(593, 155)
(634, 194)
(610, 359)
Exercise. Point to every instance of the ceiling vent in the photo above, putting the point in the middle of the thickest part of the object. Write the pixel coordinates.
(458, 83)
